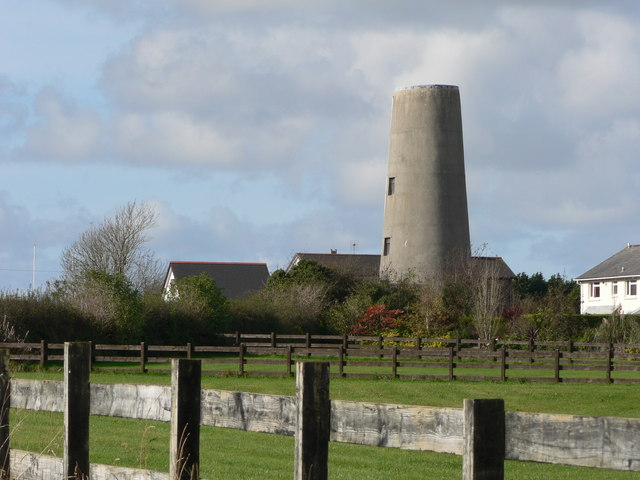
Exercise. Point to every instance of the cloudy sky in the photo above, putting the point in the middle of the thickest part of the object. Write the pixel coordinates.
(259, 128)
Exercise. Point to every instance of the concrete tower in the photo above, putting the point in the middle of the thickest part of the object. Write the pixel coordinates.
(426, 222)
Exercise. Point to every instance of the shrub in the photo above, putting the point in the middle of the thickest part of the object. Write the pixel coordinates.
(197, 310)
(284, 307)
(41, 315)
(376, 320)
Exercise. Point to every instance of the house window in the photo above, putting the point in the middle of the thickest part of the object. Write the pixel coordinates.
(614, 288)
(595, 290)
(391, 188)
(387, 246)
(632, 288)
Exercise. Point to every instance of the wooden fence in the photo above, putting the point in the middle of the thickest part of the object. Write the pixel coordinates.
(367, 356)
(482, 432)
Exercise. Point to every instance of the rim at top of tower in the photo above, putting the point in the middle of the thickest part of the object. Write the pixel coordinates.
(426, 87)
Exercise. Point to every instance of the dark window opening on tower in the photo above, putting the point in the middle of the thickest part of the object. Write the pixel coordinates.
(391, 189)
(387, 246)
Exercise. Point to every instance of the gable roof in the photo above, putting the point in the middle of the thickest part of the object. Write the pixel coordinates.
(495, 265)
(235, 279)
(363, 265)
(624, 264)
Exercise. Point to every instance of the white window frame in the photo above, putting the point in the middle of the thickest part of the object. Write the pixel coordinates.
(632, 286)
(614, 289)
(595, 289)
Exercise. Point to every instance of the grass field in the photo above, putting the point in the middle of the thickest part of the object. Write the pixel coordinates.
(229, 454)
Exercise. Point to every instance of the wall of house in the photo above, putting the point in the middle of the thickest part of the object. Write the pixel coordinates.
(166, 288)
(602, 297)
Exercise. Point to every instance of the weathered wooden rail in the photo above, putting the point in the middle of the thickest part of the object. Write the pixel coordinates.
(482, 432)
(362, 356)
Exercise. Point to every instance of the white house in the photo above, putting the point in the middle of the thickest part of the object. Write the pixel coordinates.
(612, 284)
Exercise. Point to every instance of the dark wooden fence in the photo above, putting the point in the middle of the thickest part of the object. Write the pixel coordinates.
(482, 432)
(371, 356)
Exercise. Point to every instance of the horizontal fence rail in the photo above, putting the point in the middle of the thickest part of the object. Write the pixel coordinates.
(602, 442)
(370, 356)
(605, 442)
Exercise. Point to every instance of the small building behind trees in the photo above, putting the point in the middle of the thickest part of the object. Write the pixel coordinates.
(236, 280)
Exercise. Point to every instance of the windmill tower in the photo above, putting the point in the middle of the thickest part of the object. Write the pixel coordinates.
(426, 222)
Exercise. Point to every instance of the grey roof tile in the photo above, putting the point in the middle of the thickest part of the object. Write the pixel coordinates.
(235, 279)
(625, 263)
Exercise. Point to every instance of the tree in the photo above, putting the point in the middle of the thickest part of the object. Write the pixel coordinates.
(198, 307)
(490, 295)
(338, 284)
(108, 302)
(116, 247)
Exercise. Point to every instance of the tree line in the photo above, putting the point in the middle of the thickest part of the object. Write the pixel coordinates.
(110, 292)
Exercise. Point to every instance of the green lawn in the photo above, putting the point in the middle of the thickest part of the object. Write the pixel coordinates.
(229, 454)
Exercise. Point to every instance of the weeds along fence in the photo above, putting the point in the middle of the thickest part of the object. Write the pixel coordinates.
(482, 432)
(371, 356)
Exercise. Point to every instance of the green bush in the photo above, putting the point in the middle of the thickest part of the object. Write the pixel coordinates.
(197, 310)
(40, 315)
(286, 307)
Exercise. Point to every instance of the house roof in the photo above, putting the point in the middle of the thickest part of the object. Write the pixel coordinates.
(497, 265)
(235, 279)
(624, 264)
(365, 265)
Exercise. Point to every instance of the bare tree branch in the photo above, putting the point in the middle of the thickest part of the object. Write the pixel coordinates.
(117, 246)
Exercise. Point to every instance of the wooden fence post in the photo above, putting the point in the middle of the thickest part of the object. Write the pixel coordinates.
(394, 362)
(238, 339)
(503, 364)
(143, 357)
(307, 343)
(274, 341)
(43, 354)
(313, 421)
(241, 351)
(484, 440)
(5, 405)
(77, 367)
(289, 356)
(189, 350)
(532, 346)
(184, 462)
(609, 363)
(341, 361)
(92, 356)
(451, 364)
(556, 365)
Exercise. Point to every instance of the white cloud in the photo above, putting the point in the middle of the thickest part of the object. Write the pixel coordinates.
(63, 130)
(600, 76)
(12, 113)
(361, 183)
(171, 139)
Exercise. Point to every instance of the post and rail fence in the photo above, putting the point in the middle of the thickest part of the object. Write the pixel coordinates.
(362, 356)
(482, 431)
